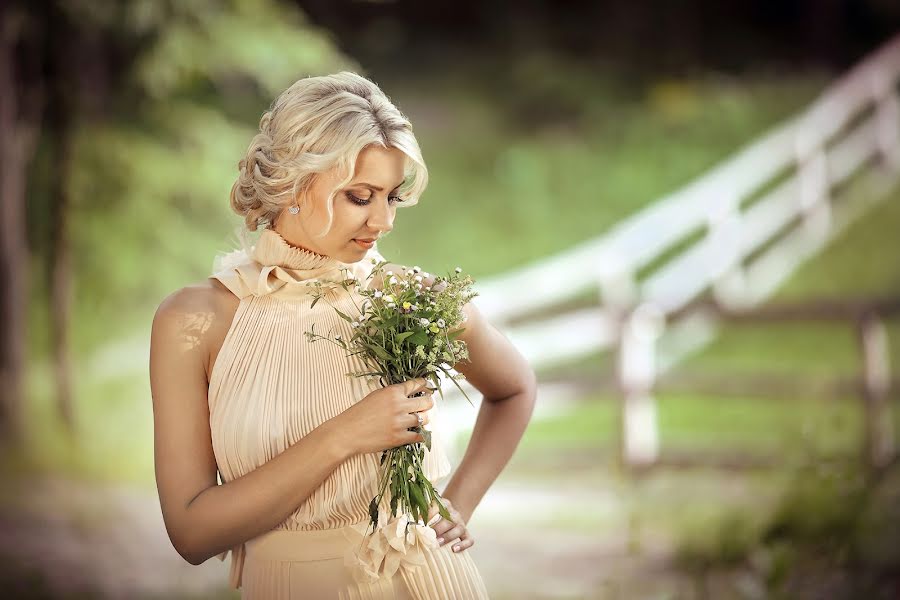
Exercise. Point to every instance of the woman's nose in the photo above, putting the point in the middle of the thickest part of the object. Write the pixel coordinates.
(382, 218)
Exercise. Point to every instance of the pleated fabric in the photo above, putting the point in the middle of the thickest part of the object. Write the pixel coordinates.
(269, 387)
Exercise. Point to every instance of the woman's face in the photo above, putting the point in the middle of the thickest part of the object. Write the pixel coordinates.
(363, 210)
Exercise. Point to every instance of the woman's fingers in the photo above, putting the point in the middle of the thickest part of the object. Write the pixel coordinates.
(465, 541)
(449, 535)
(450, 531)
(454, 533)
(411, 386)
(414, 421)
(420, 403)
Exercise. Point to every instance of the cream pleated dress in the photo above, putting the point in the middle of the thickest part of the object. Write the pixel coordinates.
(269, 387)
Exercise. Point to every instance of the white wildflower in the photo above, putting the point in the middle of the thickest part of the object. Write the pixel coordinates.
(424, 322)
(441, 323)
(458, 270)
(378, 294)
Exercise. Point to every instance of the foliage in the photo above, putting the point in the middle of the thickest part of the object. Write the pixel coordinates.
(832, 532)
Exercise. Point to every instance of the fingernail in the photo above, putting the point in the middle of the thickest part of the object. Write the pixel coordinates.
(434, 519)
(456, 548)
(440, 540)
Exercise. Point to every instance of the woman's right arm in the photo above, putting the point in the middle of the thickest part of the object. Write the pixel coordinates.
(203, 518)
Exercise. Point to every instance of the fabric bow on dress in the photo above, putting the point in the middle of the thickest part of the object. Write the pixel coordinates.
(397, 544)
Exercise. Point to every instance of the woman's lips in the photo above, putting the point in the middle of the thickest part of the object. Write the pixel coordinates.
(365, 244)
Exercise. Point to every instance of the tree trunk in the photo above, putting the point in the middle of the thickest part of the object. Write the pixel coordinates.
(60, 118)
(20, 107)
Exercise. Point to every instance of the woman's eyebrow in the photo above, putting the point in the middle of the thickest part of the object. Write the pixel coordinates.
(375, 187)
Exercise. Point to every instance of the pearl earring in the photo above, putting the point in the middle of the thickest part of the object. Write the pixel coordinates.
(294, 209)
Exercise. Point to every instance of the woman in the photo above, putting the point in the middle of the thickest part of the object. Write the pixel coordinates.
(238, 390)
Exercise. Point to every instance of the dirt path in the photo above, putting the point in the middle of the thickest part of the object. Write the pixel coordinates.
(68, 539)
(65, 539)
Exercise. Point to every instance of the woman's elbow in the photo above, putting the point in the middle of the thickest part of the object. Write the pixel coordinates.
(194, 558)
(187, 549)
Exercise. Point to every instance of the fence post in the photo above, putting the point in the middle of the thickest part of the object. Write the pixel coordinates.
(639, 442)
(729, 283)
(876, 381)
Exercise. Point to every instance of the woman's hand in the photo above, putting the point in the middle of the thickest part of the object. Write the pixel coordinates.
(383, 418)
(449, 531)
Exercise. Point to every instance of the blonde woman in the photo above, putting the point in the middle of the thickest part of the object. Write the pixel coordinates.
(238, 391)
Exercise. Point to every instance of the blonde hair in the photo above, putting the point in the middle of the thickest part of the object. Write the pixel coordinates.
(316, 124)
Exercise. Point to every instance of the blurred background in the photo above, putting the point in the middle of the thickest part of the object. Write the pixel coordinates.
(684, 213)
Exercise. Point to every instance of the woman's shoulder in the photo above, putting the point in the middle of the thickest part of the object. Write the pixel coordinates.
(204, 297)
(196, 313)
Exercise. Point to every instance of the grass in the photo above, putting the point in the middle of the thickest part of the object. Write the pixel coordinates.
(694, 424)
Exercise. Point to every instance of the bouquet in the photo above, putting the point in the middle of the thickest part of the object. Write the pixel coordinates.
(406, 330)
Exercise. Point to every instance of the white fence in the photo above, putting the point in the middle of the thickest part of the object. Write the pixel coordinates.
(740, 230)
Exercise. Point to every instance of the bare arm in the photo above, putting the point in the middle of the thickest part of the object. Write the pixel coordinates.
(203, 518)
(509, 387)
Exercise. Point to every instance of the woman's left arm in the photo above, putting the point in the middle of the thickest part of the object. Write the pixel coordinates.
(509, 386)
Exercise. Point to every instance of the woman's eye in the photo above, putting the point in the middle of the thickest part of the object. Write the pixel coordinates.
(365, 201)
(355, 200)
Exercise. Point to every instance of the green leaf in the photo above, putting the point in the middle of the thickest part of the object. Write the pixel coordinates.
(402, 336)
(380, 352)
(343, 316)
(419, 338)
(373, 511)
(419, 498)
(441, 508)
